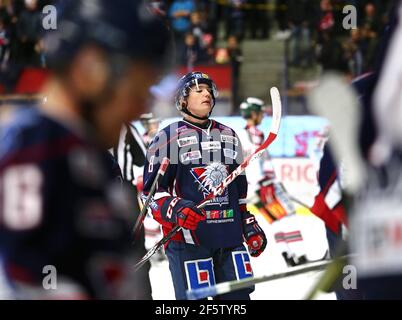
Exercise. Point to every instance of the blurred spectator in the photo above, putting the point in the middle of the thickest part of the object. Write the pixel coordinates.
(235, 18)
(353, 53)
(330, 54)
(326, 16)
(179, 16)
(236, 58)
(4, 44)
(198, 27)
(371, 19)
(6, 11)
(211, 15)
(190, 51)
(28, 32)
(300, 23)
(209, 48)
(158, 7)
(370, 29)
(258, 19)
(193, 53)
(281, 15)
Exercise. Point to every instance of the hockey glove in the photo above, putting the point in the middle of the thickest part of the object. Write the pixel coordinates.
(254, 236)
(266, 191)
(185, 213)
(275, 199)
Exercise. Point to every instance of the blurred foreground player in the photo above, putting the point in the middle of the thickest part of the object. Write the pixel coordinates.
(61, 208)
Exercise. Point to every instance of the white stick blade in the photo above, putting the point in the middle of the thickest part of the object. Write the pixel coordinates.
(276, 109)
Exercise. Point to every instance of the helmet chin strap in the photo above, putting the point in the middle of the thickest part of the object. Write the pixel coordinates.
(186, 111)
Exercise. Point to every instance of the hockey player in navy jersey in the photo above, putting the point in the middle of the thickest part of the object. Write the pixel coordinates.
(65, 220)
(209, 248)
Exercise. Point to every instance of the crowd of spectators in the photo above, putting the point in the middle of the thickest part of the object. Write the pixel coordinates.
(313, 29)
(21, 44)
(317, 35)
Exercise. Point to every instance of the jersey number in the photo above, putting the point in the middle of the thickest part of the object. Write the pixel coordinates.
(22, 200)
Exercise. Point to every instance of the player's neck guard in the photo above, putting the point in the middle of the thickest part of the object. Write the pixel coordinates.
(185, 110)
(204, 125)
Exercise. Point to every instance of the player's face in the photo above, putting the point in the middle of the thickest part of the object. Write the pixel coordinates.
(130, 99)
(259, 117)
(199, 101)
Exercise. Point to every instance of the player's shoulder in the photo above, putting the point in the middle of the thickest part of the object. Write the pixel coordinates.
(30, 135)
(163, 136)
(223, 127)
(173, 129)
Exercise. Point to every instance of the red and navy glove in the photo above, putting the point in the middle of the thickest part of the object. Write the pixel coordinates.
(266, 190)
(254, 236)
(184, 213)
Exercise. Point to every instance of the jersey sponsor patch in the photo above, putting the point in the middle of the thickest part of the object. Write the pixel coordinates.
(211, 145)
(187, 141)
(229, 153)
(219, 216)
(199, 273)
(181, 129)
(241, 261)
(230, 139)
(192, 155)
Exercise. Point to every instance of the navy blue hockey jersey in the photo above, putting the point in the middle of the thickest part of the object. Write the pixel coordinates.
(328, 204)
(200, 159)
(60, 205)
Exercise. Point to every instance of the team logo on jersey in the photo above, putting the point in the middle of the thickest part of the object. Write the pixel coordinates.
(187, 141)
(211, 145)
(230, 139)
(210, 177)
(192, 155)
(241, 261)
(199, 273)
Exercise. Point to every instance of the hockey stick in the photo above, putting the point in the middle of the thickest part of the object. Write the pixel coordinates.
(331, 273)
(276, 121)
(161, 242)
(299, 202)
(225, 287)
(161, 172)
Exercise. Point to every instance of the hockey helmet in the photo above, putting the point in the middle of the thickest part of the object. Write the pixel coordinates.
(251, 104)
(148, 118)
(190, 79)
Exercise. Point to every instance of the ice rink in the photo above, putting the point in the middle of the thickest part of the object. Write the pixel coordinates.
(269, 262)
